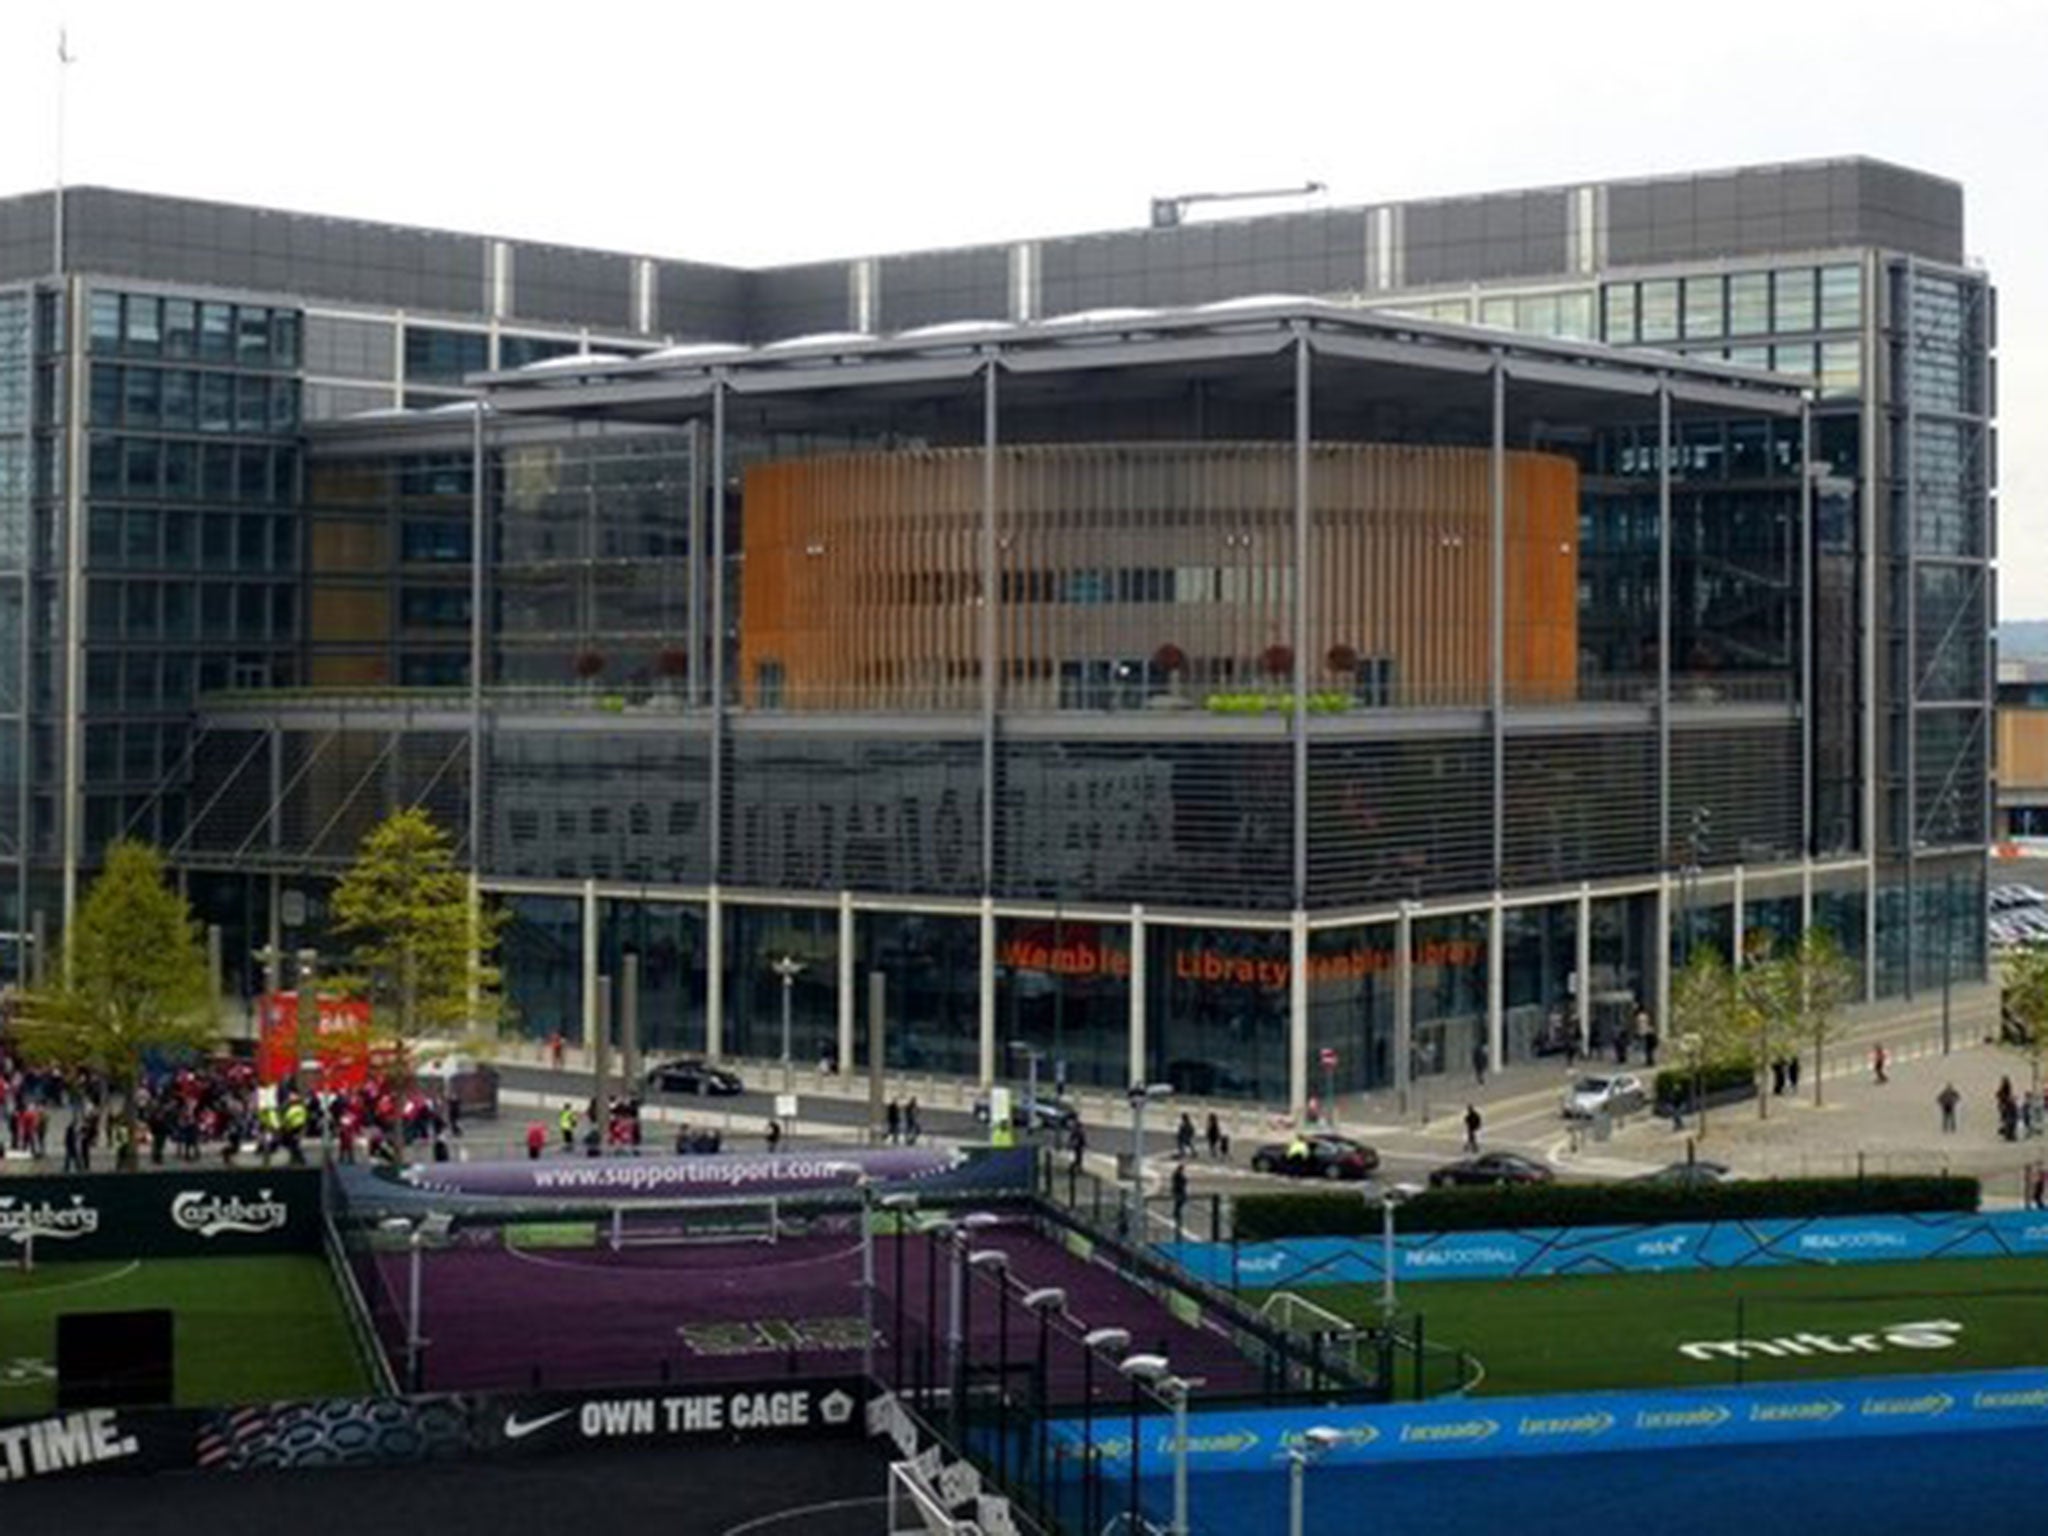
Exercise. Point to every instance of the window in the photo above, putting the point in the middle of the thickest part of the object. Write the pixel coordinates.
(1792, 299)
(141, 615)
(252, 337)
(1841, 368)
(1841, 298)
(144, 398)
(284, 339)
(217, 472)
(216, 402)
(143, 333)
(441, 356)
(437, 540)
(139, 539)
(181, 318)
(180, 400)
(1620, 302)
(1703, 307)
(104, 408)
(1659, 318)
(217, 333)
(252, 404)
(1749, 303)
(141, 467)
(104, 322)
(518, 351)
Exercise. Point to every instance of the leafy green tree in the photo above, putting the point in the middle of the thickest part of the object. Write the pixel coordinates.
(134, 980)
(1824, 980)
(1707, 1018)
(2025, 1004)
(415, 945)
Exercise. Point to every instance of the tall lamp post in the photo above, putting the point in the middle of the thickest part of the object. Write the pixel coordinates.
(897, 1205)
(1315, 1444)
(1032, 1056)
(1154, 1372)
(413, 1232)
(1044, 1303)
(1389, 1197)
(788, 968)
(1098, 1341)
(1140, 1095)
(994, 1261)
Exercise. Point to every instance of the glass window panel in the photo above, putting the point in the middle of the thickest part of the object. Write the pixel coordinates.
(1500, 312)
(138, 541)
(284, 339)
(177, 665)
(252, 337)
(1792, 296)
(252, 475)
(1793, 359)
(217, 472)
(284, 405)
(1620, 303)
(140, 674)
(177, 603)
(144, 395)
(143, 333)
(180, 400)
(216, 402)
(181, 320)
(1703, 307)
(216, 610)
(216, 541)
(104, 406)
(1575, 315)
(103, 536)
(103, 465)
(217, 333)
(1841, 298)
(141, 613)
(284, 607)
(103, 610)
(1841, 368)
(251, 613)
(249, 541)
(141, 467)
(104, 322)
(1749, 303)
(1659, 319)
(252, 404)
(179, 543)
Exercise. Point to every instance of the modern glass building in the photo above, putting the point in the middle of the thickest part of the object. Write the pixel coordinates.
(1182, 682)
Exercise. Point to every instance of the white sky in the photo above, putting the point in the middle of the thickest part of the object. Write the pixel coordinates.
(752, 131)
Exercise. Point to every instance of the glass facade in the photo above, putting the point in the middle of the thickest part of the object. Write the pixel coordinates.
(1063, 990)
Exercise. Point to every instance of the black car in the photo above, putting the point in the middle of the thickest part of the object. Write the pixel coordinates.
(1693, 1175)
(1321, 1156)
(691, 1075)
(1492, 1168)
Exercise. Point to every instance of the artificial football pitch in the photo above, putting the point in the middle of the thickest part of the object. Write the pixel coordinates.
(1716, 1327)
(245, 1330)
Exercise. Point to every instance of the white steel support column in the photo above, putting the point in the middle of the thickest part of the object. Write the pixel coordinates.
(1404, 1003)
(1497, 658)
(1582, 972)
(1137, 1000)
(591, 1017)
(1496, 933)
(478, 559)
(714, 974)
(847, 973)
(1297, 1018)
(1299, 642)
(1805, 896)
(71, 808)
(987, 989)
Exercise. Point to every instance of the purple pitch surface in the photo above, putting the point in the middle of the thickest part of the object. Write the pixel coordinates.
(508, 1319)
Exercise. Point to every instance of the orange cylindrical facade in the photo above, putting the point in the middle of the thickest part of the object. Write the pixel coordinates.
(1158, 573)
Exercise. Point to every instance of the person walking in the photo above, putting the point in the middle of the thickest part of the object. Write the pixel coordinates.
(1479, 1062)
(1213, 1136)
(774, 1136)
(1077, 1148)
(1948, 1099)
(911, 1129)
(567, 1121)
(2037, 1188)
(1879, 1060)
(1184, 1137)
(892, 1121)
(1180, 1199)
(1473, 1121)
(536, 1141)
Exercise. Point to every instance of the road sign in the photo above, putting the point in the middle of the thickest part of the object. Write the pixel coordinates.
(1329, 1056)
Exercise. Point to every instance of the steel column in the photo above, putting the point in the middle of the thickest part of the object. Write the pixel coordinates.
(1297, 1018)
(1137, 994)
(1302, 423)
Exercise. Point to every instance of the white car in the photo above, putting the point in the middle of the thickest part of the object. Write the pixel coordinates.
(1618, 1093)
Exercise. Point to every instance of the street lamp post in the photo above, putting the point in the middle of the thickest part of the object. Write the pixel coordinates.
(1045, 1302)
(1108, 1341)
(1032, 1056)
(958, 1234)
(788, 968)
(1140, 1095)
(1155, 1372)
(413, 1232)
(1315, 1443)
(1391, 1196)
(897, 1204)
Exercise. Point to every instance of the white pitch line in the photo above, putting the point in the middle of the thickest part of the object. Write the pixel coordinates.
(75, 1285)
(766, 1522)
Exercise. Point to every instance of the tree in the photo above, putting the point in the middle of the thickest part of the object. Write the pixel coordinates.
(2024, 1002)
(1824, 980)
(416, 946)
(135, 980)
(1706, 1019)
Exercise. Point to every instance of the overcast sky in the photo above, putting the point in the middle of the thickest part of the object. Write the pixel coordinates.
(748, 131)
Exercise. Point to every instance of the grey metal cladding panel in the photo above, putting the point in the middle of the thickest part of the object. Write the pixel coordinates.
(570, 287)
(796, 301)
(699, 301)
(25, 236)
(1517, 234)
(929, 288)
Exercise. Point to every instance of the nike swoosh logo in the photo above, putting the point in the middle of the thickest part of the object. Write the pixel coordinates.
(517, 1428)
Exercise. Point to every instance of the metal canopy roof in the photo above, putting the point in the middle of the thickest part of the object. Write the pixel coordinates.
(677, 388)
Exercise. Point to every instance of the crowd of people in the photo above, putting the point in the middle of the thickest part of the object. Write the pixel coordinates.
(188, 1112)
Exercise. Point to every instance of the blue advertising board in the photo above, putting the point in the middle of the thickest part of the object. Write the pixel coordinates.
(1313, 1261)
(1461, 1429)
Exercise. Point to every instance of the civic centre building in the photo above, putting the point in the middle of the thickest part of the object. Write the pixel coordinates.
(1305, 651)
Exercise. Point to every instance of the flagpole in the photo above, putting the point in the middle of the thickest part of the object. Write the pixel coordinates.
(57, 219)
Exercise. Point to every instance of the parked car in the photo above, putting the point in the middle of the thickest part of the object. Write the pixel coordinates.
(1320, 1156)
(691, 1074)
(1604, 1093)
(1688, 1175)
(1047, 1113)
(1492, 1168)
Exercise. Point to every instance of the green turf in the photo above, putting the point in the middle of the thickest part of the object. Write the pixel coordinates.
(1588, 1332)
(246, 1330)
